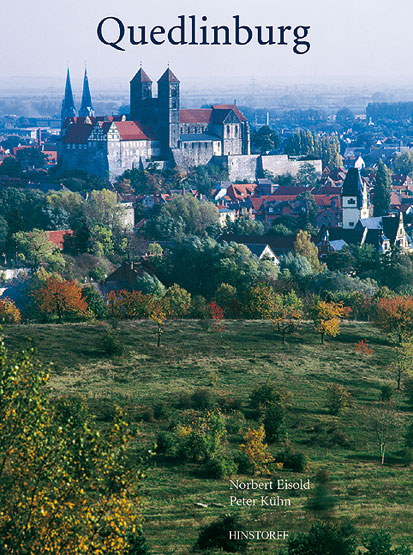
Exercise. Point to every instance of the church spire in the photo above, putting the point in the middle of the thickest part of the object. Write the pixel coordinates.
(86, 108)
(68, 105)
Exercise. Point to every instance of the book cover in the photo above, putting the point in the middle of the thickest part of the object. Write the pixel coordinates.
(206, 277)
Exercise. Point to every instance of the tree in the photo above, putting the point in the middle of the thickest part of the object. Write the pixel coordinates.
(402, 363)
(31, 158)
(11, 167)
(196, 215)
(35, 247)
(327, 316)
(65, 487)
(102, 208)
(274, 418)
(259, 302)
(158, 315)
(306, 175)
(311, 208)
(382, 190)
(288, 314)
(176, 301)
(61, 299)
(322, 501)
(304, 246)
(100, 242)
(265, 139)
(384, 422)
(395, 316)
(217, 536)
(379, 542)
(9, 313)
(257, 451)
(324, 539)
(345, 118)
(226, 297)
(338, 399)
(403, 162)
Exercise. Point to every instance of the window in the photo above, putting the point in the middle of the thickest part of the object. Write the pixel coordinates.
(351, 201)
(351, 224)
(228, 130)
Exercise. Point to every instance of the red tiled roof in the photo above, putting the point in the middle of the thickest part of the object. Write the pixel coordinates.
(201, 115)
(142, 77)
(229, 107)
(58, 237)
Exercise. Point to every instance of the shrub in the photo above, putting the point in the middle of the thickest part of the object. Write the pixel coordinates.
(201, 439)
(274, 421)
(9, 313)
(148, 415)
(324, 539)
(203, 398)
(292, 460)
(257, 451)
(263, 395)
(322, 501)
(409, 436)
(71, 410)
(386, 393)
(235, 422)
(137, 544)
(216, 536)
(220, 466)
(379, 542)
(338, 399)
(325, 435)
(161, 410)
(167, 444)
(111, 343)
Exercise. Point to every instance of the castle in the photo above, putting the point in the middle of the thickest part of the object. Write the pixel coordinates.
(156, 130)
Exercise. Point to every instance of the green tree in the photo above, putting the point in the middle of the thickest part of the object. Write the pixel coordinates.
(306, 175)
(324, 539)
(196, 215)
(345, 118)
(382, 190)
(11, 167)
(265, 139)
(35, 247)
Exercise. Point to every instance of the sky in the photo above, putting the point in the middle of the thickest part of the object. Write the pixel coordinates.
(352, 42)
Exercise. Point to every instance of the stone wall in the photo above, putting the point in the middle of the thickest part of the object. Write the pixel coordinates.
(281, 164)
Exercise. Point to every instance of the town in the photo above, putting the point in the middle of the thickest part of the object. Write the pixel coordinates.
(195, 299)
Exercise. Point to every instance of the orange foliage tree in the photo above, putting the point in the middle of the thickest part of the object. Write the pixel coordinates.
(395, 316)
(128, 304)
(61, 299)
(327, 317)
(288, 314)
(158, 315)
(9, 313)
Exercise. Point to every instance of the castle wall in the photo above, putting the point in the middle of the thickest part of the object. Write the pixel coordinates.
(90, 159)
(125, 155)
(281, 164)
(196, 153)
(242, 166)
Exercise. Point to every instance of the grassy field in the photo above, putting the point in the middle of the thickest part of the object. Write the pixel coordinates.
(231, 364)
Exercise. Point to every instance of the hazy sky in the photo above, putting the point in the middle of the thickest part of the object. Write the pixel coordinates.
(357, 40)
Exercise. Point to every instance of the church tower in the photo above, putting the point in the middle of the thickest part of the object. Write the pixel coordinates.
(140, 92)
(355, 199)
(86, 108)
(168, 102)
(68, 105)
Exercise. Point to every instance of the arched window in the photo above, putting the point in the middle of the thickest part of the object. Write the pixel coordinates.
(228, 130)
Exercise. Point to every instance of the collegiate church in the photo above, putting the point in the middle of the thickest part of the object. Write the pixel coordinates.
(156, 130)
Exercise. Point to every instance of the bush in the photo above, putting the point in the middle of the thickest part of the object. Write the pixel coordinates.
(203, 399)
(219, 467)
(161, 410)
(71, 410)
(379, 542)
(293, 460)
(274, 422)
(235, 422)
(322, 501)
(325, 435)
(264, 395)
(137, 544)
(324, 539)
(111, 343)
(338, 399)
(409, 436)
(386, 393)
(216, 536)
(167, 444)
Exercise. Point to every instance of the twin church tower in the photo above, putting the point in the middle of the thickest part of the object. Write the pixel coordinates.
(156, 130)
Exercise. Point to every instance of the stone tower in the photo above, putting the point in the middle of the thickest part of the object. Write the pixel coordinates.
(68, 105)
(140, 93)
(355, 199)
(168, 102)
(86, 108)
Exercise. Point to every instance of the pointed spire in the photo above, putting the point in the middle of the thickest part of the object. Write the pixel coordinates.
(68, 105)
(168, 76)
(86, 108)
(141, 76)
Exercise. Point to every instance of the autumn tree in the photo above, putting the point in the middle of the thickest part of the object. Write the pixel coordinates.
(395, 316)
(9, 313)
(257, 451)
(259, 302)
(304, 246)
(158, 315)
(226, 297)
(61, 299)
(176, 301)
(64, 486)
(128, 304)
(327, 317)
(288, 314)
